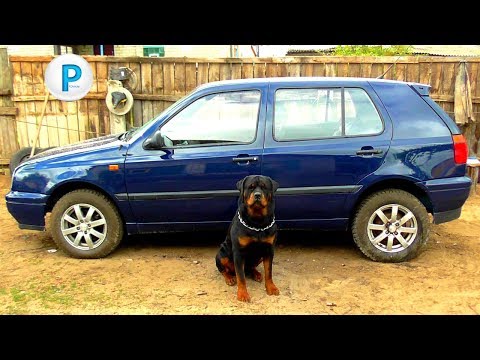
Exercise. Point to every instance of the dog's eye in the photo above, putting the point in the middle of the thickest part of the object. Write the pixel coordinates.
(252, 186)
(262, 186)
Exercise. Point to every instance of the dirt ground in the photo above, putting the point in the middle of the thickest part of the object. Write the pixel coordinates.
(317, 273)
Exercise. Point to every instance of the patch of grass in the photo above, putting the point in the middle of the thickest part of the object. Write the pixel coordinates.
(73, 285)
(372, 50)
(3, 291)
(55, 294)
(18, 295)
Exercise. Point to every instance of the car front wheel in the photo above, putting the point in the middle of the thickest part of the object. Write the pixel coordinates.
(391, 226)
(86, 225)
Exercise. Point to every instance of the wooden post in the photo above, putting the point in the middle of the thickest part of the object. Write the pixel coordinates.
(8, 133)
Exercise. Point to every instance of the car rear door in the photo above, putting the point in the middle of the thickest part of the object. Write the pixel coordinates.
(212, 142)
(321, 140)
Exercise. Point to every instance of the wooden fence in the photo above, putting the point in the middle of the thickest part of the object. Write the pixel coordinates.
(161, 81)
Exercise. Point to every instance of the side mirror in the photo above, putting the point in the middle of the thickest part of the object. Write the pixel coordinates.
(156, 141)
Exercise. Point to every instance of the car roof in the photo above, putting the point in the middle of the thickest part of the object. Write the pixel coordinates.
(293, 79)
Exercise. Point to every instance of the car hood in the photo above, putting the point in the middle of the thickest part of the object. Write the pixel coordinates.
(83, 145)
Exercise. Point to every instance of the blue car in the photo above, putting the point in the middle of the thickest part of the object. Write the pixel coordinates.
(367, 155)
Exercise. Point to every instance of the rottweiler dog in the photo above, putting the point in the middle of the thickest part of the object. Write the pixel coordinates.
(251, 236)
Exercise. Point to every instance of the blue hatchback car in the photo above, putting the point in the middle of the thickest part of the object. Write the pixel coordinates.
(373, 156)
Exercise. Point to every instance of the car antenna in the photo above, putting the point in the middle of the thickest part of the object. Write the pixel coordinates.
(386, 71)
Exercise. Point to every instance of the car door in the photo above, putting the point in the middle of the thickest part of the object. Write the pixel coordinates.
(212, 142)
(321, 139)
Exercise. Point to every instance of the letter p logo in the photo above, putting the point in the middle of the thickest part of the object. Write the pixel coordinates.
(68, 79)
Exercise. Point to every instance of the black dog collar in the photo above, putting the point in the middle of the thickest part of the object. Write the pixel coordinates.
(252, 228)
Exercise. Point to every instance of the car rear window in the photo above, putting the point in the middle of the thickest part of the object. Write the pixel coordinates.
(315, 113)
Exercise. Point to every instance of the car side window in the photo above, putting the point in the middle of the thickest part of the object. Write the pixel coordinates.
(361, 116)
(229, 117)
(308, 114)
(302, 114)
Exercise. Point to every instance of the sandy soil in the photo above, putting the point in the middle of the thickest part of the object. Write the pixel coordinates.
(317, 273)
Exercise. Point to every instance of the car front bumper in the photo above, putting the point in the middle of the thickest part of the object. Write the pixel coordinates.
(28, 209)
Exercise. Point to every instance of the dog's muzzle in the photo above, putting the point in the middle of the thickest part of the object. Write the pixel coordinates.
(257, 196)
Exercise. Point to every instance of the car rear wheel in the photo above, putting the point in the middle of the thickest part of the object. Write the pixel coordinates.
(86, 225)
(391, 226)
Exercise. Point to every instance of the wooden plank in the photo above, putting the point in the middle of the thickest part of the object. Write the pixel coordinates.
(271, 70)
(202, 73)
(82, 107)
(179, 82)
(259, 70)
(330, 69)
(225, 72)
(50, 122)
(146, 82)
(413, 73)
(474, 78)
(236, 71)
(377, 70)
(294, 70)
(93, 119)
(157, 78)
(26, 85)
(94, 87)
(104, 118)
(306, 70)
(213, 72)
(247, 70)
(102, 77)
(319, 70)
(425, 73)
(137, 113)
(5, 92)
(31, 119)
(17, 78)
(22, 133)
(190, 77)
(354, 70)
(62, 121)
(168, 78)
(400, 72)
(447, 86)
(343, 70)
(8, 110)
(365, 70)
(436, 79)
(37, 79)
(158, 107)
(72, 121)
(282, 70)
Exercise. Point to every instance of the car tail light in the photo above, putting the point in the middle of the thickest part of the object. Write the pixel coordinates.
(460, 149)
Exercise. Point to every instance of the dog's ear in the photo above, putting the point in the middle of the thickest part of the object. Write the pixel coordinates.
(240, 185)
(275, 184)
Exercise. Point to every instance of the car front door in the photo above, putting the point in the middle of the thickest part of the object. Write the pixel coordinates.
(210, 144)
(320, 142)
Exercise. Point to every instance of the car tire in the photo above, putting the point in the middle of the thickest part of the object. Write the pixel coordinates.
(22, 155)
(85, 224)
(391, 237)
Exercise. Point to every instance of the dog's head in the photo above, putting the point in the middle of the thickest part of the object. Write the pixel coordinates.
(256, 193)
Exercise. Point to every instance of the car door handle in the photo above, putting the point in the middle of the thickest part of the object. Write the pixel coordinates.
(245, 159)
(369, 152)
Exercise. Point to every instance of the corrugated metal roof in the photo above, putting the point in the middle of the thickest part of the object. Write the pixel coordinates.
(447, 50)
(438, 50)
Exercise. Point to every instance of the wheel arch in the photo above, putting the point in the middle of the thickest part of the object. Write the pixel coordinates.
(393, 183)
(66, 187)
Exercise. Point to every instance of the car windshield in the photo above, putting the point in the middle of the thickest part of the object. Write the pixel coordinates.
(128, 135)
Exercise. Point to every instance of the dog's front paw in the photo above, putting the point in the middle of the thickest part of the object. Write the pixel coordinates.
(257, 276)
(229, 279)
(272, 289)
(242, 295)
